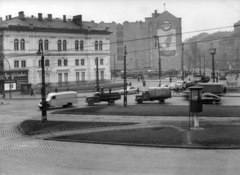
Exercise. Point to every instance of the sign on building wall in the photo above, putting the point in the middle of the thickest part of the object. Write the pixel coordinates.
(14, 78)
(167, 32)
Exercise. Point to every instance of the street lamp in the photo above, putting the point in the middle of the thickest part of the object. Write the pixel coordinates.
(212, 52)
(97, 76)
(43, 90)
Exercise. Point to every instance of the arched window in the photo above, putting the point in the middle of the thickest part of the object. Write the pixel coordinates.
(46, 45)
(81, 45)
(39, 44)
(96, 45)
(22, 44)
(59, 62)
(47, 63)
(64, 45)
(76, 45)
(100, 45)
(16, 44)
(59, 43)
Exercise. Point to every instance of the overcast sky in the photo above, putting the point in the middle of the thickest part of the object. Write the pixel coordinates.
(196, 14)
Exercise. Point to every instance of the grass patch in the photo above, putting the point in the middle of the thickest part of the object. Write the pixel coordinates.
(35, 126)
(225, 135)
(150, 136)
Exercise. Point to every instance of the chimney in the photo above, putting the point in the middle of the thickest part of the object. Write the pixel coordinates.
(49, 17)
(77, 20)
(21, 15)
(6, 17)
(40, 16)
(64, 18)
(9, 16)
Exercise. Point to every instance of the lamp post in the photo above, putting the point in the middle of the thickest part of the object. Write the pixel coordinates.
(125, 81)
(97, 79)
(10, 84)
(159, 59)
(212, 52)
(43, 90)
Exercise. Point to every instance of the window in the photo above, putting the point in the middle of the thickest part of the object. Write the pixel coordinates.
(59, 77)
(102, 75)
(77, 62)
(77, 76)
(120, 57)
(100, 45)
(65, 62)
(82, 62)
(64, 45)
(46, 45)
(59, 62)
(81, 45)
(16, 64)
(23, 63)
(47, 63)
(40, 44)
(39, 63)
(83, 76)
(65, 77)
(101, 61)
(76, 45)
(16, 44)
(119, 42)
(120, 50)
(96, 45)
(22, 44)
(59, 43)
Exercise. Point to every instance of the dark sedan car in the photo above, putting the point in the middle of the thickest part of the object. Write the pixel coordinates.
(210, 98)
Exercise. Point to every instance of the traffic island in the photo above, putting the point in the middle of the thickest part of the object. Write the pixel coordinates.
(211, 137)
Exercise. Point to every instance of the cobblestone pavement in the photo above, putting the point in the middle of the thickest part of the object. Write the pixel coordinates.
(30, 155)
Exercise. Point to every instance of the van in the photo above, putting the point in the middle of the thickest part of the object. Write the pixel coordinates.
(64, 99)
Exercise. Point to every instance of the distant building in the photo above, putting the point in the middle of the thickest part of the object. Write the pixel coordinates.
(138, 37)
(70, 47)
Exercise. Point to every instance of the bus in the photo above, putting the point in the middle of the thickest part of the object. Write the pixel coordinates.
(132, 74)
(214, 88)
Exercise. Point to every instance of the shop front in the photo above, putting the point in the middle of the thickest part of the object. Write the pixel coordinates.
(14, 79)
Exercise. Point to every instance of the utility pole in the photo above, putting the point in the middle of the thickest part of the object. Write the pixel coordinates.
(159, 60)
(97, 80)
(114, 67)
(204, 66)
(44, 110)
(195, 59)
(182, 66)
(125, 81)
(200, 65)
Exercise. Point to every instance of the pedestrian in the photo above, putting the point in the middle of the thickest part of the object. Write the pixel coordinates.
(137, 90)
(56, 90)
(144, 83)
(1, 98)
(32, 92)
(110, 90)
(102, 90)
(3, 94)
(130, 84)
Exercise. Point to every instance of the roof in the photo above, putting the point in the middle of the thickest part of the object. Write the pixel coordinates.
(55, 25)
(62, 92)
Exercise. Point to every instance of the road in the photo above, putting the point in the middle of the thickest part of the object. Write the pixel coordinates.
(30, 155)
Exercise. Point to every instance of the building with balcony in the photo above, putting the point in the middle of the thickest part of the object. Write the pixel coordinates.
(70, 49)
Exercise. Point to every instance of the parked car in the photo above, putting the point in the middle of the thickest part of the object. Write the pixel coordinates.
(179, 84)
(130, 90)
(190, 83)
(202, 79)
(210, 98)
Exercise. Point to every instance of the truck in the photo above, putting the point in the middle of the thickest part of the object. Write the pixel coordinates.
(154, 93)
(64, 99)
(97, 97)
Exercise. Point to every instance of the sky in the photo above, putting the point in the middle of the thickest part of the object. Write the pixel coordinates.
(197, 15)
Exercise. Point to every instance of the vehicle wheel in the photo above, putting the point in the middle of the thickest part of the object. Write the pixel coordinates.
(139, 101)
(69, 105)
(111, 102)
(161, 101)
(214, 102)
(90, 102)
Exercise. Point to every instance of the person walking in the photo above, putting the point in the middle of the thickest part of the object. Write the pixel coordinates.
(1, 98)
(110, 90)
(32, 92)
(56, 90)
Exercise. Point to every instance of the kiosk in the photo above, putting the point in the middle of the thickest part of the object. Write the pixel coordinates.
(195, 103)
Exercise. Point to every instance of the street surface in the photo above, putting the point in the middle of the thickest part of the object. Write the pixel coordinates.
(30, 155)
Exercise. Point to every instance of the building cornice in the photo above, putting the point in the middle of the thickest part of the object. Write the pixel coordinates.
(54, 30)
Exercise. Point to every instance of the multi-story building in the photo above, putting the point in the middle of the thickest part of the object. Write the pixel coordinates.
(70, 48)
(140, 41)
